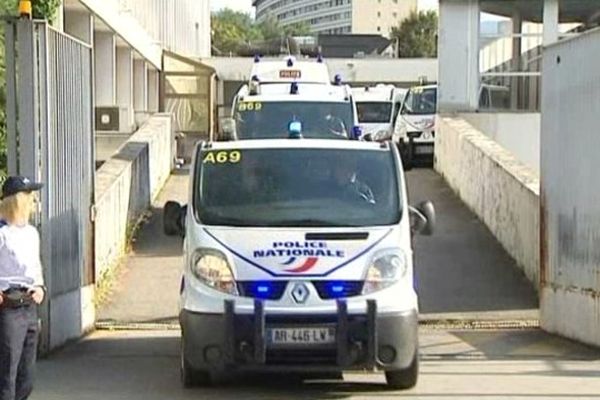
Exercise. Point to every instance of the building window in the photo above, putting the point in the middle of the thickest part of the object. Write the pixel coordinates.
(378, 29)
(378, 14)
(395, 15)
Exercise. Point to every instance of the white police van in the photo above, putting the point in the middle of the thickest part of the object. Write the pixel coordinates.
(285, 91)
(415, 126)
(298, 258)
(378, 107)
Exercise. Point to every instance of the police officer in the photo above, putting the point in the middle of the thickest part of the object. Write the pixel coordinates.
(21, 288)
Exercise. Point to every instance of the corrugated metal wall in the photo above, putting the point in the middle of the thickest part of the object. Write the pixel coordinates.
(570, 162)
(68, 164)
(183, 26)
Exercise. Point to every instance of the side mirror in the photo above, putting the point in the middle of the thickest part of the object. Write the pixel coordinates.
(174, 219)
(228, 129)
(422, 218)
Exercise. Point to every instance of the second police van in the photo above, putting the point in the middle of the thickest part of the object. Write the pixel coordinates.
(378, 108)
(414, 130)
(298, 258)
(285, 91)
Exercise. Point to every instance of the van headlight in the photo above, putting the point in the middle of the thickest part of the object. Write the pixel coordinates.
(385, 271)
(212, 269)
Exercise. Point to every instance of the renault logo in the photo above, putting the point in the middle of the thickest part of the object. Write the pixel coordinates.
(300, 293)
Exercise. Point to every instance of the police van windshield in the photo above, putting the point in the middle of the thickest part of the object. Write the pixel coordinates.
(374, 112)
(297, 187)
(420, 101)
(264, 120)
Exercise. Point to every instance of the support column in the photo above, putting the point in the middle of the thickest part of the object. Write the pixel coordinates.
(125, 86)
(79, 24)
(153, 91)
(517, 45)
(551, 21)
(140, 90)
(458, 55)
(105, 65)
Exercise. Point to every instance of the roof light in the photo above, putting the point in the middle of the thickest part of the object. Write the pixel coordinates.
(254, 85)
(294, 88)
(295, 130)
(356, 132)
(256, 58)
(290, 62)
(337, 80)
(319, 58)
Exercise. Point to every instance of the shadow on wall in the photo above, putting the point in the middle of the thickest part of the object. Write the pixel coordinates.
(138, 154)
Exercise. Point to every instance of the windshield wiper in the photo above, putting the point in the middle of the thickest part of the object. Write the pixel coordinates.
(225, 221)
(315, 222)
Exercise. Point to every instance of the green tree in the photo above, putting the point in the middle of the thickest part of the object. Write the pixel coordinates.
(232, 29)
(42, 9)
(417, 35)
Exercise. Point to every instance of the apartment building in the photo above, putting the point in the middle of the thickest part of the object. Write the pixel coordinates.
(338, 16)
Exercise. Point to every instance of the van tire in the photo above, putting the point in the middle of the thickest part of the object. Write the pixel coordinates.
(171, 211)
(405, 155)
(403, 379)
(191, 377)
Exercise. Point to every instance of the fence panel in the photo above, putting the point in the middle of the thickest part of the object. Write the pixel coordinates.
(50, 132)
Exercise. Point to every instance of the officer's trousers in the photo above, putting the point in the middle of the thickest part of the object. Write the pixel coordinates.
(18, 348)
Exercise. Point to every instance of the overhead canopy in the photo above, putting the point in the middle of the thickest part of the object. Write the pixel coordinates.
(583, 11)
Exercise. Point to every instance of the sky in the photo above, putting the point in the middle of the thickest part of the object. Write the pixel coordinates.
(246, 5)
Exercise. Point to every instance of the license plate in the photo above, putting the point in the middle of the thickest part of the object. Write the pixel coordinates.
(310, 336)
(424, 150)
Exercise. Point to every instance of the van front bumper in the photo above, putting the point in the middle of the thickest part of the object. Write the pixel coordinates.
(218, 342)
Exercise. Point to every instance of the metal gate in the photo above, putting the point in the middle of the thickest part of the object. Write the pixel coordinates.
(50, 137)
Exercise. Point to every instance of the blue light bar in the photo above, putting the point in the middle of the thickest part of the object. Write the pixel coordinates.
(337, 80)
(290, 62)
(336, 289)
(263, 288)
(320, 58)
(256, 58)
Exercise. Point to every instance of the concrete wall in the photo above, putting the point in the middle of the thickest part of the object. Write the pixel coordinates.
(518, 133)
(501, 191)
(570, 253)
(72, 314)
(127, 184)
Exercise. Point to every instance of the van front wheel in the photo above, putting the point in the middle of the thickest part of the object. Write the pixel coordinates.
(404, 378)
(191, 377)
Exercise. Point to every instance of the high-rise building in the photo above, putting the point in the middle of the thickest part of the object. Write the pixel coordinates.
(338, 16)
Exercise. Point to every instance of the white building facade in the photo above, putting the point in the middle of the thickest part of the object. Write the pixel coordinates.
(338, 16)
(129, 38)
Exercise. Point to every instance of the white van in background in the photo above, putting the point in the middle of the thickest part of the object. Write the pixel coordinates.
(414, 130)
(377, 109)
(289, 91)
